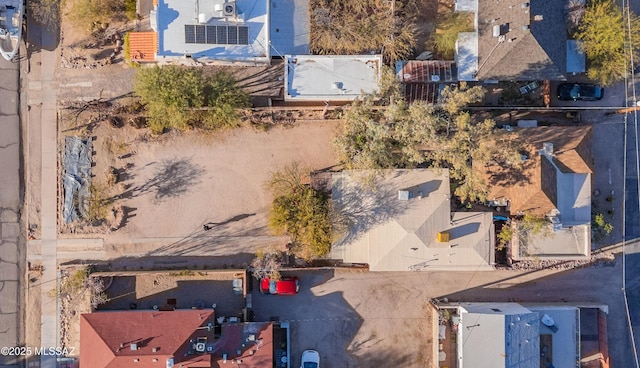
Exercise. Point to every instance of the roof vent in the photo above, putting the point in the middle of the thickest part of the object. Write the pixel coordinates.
(525, 27)
(134, 346)
(136, 360)
(155, 350)
(229, 9)
(200, 347)
(525, 5)
(336, 85)
(496, 30)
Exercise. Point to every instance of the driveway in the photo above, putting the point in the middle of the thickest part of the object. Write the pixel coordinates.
(368, 319)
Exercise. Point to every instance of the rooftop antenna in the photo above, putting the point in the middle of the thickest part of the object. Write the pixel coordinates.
(501, 39)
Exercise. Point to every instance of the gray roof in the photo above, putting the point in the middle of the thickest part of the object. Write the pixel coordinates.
(173, 15)
(391, 234)
(330, 77)
(536, 53)
(494, 335)
(289, 28)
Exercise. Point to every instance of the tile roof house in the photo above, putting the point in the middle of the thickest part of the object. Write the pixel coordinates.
(202, 32)
(510, 335)
(516, 40)
(403, 222)
(554, 181)
(166, 339)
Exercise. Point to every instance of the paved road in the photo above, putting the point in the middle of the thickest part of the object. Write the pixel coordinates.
(11, 239)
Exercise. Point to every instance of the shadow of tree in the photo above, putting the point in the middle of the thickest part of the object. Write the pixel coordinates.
(172, 178)
(223, 237)
(362, 206)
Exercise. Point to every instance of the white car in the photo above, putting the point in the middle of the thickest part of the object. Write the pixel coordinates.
(310, 359)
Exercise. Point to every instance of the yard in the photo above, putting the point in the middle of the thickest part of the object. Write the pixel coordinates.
(160, 191)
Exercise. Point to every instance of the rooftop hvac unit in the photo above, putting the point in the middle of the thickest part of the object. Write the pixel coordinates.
(403, 195)
(229, 9)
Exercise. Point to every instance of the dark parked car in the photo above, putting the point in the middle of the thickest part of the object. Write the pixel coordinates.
(284, 286)
(580, 92)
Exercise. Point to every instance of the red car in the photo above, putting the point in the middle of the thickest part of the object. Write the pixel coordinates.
(289, 285)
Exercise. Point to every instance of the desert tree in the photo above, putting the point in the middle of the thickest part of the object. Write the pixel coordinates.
(443, 40)
(605, 34)
(182, 98)
(402, 135)
(267, 264)
(300, 212)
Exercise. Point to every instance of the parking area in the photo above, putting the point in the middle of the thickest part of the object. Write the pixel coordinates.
(352, 323)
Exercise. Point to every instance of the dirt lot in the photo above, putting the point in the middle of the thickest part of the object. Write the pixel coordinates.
(167, 188)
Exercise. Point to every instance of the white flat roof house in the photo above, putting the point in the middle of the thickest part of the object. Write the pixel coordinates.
(203, 32)
(331, 77)
(207, 31)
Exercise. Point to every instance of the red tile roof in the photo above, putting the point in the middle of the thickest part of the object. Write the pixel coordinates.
(106, 339)
(143, 46)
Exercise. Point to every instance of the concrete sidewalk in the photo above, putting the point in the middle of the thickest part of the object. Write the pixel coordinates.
(42, 126)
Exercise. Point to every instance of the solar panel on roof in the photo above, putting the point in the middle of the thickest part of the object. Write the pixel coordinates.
(232, 32)
(243, 35)
(211, 34)
(222, 35)
(201, 36)
(189, 34)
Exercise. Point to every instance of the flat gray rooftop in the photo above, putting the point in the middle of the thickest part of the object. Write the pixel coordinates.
(331, 77)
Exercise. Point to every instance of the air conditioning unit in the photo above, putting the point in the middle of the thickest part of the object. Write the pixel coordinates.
(201, 347)
(229, 9)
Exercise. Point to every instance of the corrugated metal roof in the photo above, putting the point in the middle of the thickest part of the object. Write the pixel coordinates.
(143, 46)
(426, 71)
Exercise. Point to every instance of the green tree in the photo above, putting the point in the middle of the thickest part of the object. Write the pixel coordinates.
(443, 40)
(604, 32)
(300, 212)
(407, 135)
(86, 15)
(181, 98)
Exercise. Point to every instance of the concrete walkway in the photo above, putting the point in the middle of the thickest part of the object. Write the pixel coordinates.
(42, 125)
(11, 239)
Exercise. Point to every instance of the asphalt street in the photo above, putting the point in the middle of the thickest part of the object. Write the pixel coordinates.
(11, 238)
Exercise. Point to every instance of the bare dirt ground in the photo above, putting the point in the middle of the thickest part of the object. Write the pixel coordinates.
(165, 188)
(33, 299)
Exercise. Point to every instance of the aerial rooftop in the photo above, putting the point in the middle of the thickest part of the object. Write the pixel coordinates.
(331, 77)
(213, 30)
